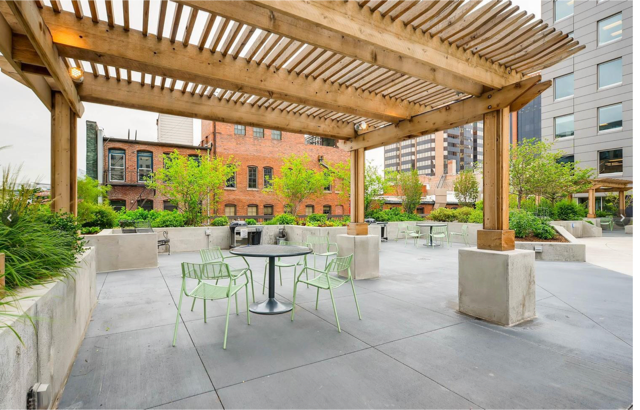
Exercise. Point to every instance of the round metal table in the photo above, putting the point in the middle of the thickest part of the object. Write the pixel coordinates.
(430, 226)
(271, 306)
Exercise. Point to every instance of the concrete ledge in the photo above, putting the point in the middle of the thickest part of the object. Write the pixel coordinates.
(628, 229)
(581, 229)
(558, 251)
(63, 310)
(497, 286)
(118, 251)
(366, 258)
(192, 239)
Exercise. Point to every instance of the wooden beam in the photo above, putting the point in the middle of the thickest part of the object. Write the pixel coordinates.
(122, 94)
(591, 213)
(357, 225)
(63, 171)
(84, 40)
(28, 16)
(36, 83)
(529, 95)
(452, 115)
(344, 29)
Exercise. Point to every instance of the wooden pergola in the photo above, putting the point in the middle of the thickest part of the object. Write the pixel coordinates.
(608, 185)
(368, 72)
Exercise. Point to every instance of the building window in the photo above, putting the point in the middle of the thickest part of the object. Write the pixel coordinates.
(268, 176)
(252, 177)
(230, 210)
(610, 162)
(258, 132)
(268, 210)
(145, 165)
(276, 135)
(239, 130)
(420, 210)
(325, 142)
(252, 210)
(168, 206)
(146, 204)
(166, 158)
(118, 204)
(610, 29)
(195, 157)
(308, 210)
(562, 9)
(563, 86)
(610, 73)
(610, 117)
(117, 160)
(564, 126)
(231, 182)
(326, 209)
(565, 159)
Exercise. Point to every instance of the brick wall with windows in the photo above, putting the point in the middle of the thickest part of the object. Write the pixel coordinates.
(260, 152)
(126, 162)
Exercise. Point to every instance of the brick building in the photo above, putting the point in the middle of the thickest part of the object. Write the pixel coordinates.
(260, 153)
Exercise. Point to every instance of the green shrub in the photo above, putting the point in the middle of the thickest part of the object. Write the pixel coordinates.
(282, 219)
(569, 211)
(101, 216)
(319, 219)
(90, 230)
(62, 222)
(603, 214)
(522, 222)
(251, 221)
(168, 219)
(480, 205)
(220, 221)
(476, 217)
(443, 215)
(463, 214)
(543, 230)
(393, 215)
(589, 222)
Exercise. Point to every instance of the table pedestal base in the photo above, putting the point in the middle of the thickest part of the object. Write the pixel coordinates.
(270, 306)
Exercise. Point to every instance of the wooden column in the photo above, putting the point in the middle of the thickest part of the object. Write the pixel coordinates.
(64, 150)
(592, 204)
(2, 273)
(495, 234)
(357, 225)
(622, 203)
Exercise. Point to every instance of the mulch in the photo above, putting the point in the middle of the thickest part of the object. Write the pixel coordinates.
(531, 238)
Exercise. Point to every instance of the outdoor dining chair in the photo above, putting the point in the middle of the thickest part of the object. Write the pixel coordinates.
(608, 222)
(328, 280)
(280, 263)
(464, 234)
(413, 232)
(402, 232)
(441, 233)
(204, 272)
(321, 247)
(214, 254)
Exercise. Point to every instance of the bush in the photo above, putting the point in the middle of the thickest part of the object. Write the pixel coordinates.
(603, 214)
(443, 215)
(100, 216)
(569, 211)
(220, 221)
(476, 217)
(61, 222)
(393, 215)
(463, 214)
(282, 219)
(90, 230)
(251, 221)
(168, 219)
(525, 223)
(544, 231)
(480, 205)
(319, 219)
(589, 222)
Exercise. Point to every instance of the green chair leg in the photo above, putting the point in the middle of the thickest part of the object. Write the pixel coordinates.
(205, 310)
(264, 278)
(253, 293)
(175, 331)
(295, 289)
(236, 296)
(317, 297)
(356, 299)
(335, 311)
(193, 304)
(280, 272)
(246, 288)
(226, 326)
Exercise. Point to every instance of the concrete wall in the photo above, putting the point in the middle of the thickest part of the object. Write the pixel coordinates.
(558, 251)
(118, 251)
(194, 239)
(580, 229)
(300, 233)
(63, 310)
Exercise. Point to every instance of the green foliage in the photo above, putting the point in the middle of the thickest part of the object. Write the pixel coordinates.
(443, 215)
(298, 182)
(569, 211)
(90, 230)
(158, 219)
(589, 222)
(480, 205)
(463, 214)
(375, 185)
(101, 216)
(340, 175)
(393, 215)
(220, 221)
(251, 221)
(89, 190)
(525, 223)
(466, 188)
(544, 231)
(317, 218)
(602, 214)
(476, 217)
(282, 219)
(409, 188)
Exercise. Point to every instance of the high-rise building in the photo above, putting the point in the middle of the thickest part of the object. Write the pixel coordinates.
(587, 112)
(526, 124)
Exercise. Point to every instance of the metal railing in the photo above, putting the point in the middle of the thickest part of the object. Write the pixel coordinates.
(119, 176)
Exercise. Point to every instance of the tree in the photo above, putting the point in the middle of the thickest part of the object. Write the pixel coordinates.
(340, 173)
(375, 185)
(187, 182)
(409, 188)
(297, 182)
(466, 188)
(523, 165)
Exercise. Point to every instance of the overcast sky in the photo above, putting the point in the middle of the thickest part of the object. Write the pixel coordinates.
(25, 122)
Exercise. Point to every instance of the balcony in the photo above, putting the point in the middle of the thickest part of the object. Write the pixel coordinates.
(122, 177)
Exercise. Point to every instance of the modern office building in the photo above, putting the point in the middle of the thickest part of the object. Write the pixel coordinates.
(526, 123)
(587, 112)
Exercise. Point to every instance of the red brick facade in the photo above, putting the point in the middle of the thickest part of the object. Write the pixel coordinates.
(129, 192)
(251, 150)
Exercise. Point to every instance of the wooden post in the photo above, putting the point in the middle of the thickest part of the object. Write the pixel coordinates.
(592, 204)
(495, 234)
(63, 156)
(357, 225)
(621, 202)
(2, 273)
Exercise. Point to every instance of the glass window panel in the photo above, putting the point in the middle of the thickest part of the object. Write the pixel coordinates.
(268, 209)
(610, 161)
(610, 73)
(566, 159)
(564, 126)
(239, 130)
(258, 132)
(168, 206)
(610, 117)
(231, 182)
(117, 160)
(145, 165)
(117, 204)
(563, 8)
(252, 210)
(276, 135)
(146, 204)
(563, 86)
(252, 182)
(268, 176)
(326, 209)
(230, 210)
(308, 210)
(610, 29)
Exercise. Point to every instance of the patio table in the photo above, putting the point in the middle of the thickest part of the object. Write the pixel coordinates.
(430, 226)
(271, 306)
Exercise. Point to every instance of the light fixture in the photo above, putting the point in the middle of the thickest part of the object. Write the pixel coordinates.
(361, 126)
(77, 74)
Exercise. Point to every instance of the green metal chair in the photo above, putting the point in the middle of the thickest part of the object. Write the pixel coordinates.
(464, 234)
(413, 232)
(328, 282)
(284, 264)
(214, 254)
(203, 272)
(402, 232)
(439, 232)
(608, 222)
(321, 247)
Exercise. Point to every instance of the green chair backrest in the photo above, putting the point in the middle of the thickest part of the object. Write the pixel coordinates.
(290, 243)
(339, 264)
(319, 244)
(205, 271)
(465, 229)
(212, 254)
(438, 230)
(402, 227)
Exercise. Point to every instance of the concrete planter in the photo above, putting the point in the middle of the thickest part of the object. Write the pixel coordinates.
(392, 228)
(557, 251)
(628, 229)
(192, 239)
(63, 311)
(300, 233)
(117, 251)
(581, 229)
(457, 227)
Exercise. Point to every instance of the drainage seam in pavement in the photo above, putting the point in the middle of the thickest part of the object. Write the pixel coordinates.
(184, 398)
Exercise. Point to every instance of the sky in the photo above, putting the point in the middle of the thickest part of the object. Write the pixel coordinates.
(25, 122)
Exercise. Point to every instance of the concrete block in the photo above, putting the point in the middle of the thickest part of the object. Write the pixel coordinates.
(498, 287)
(366, 258)
(118, 251)
(628, 229)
